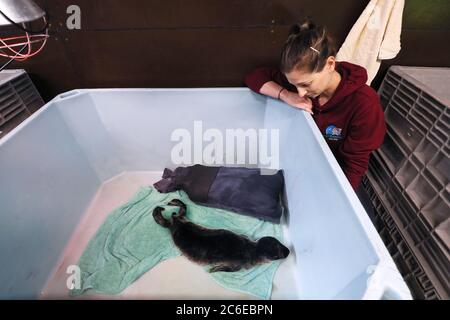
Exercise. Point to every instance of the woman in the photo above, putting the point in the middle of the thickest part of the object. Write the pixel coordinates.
(346, 110)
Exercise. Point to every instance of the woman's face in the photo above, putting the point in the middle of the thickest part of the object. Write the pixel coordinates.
(312, 85)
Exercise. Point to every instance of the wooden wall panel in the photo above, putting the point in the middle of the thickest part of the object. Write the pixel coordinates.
(199, 43)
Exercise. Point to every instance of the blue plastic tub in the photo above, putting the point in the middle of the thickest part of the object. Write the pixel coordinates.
(53, 164)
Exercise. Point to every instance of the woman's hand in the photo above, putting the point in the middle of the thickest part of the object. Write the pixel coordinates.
(296, 101)
(272, 89)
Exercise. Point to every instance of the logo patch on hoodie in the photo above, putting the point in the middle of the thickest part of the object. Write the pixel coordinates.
(333, 133)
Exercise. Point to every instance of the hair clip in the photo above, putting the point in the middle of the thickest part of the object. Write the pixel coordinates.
(314, 49)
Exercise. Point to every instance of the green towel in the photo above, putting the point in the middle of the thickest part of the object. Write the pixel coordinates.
(130, 242)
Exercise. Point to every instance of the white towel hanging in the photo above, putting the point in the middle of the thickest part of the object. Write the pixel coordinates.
(375, 36)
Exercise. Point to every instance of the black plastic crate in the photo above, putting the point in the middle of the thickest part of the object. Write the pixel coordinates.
(407, 263)
(409, 177)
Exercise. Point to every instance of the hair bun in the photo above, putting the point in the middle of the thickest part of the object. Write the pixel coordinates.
(295, 29)
(305, 26)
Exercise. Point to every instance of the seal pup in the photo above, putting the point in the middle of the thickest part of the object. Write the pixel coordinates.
(226, 251)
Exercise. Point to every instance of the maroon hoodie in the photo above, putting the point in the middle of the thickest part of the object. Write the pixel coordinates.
(352, 121)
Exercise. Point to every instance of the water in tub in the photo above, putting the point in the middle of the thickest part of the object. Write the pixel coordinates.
(175, 278)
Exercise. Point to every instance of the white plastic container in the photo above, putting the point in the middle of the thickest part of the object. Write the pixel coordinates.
(52, 165)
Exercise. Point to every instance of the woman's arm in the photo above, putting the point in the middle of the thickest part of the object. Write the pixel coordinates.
(271, 82)
(260, 76)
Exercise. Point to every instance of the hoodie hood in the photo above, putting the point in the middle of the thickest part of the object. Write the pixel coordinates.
(353, 77)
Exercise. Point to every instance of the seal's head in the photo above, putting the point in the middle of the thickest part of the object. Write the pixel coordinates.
(272, 249)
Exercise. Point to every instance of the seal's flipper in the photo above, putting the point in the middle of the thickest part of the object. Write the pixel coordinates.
(180, 204)
(177, 202)
(157, 215)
